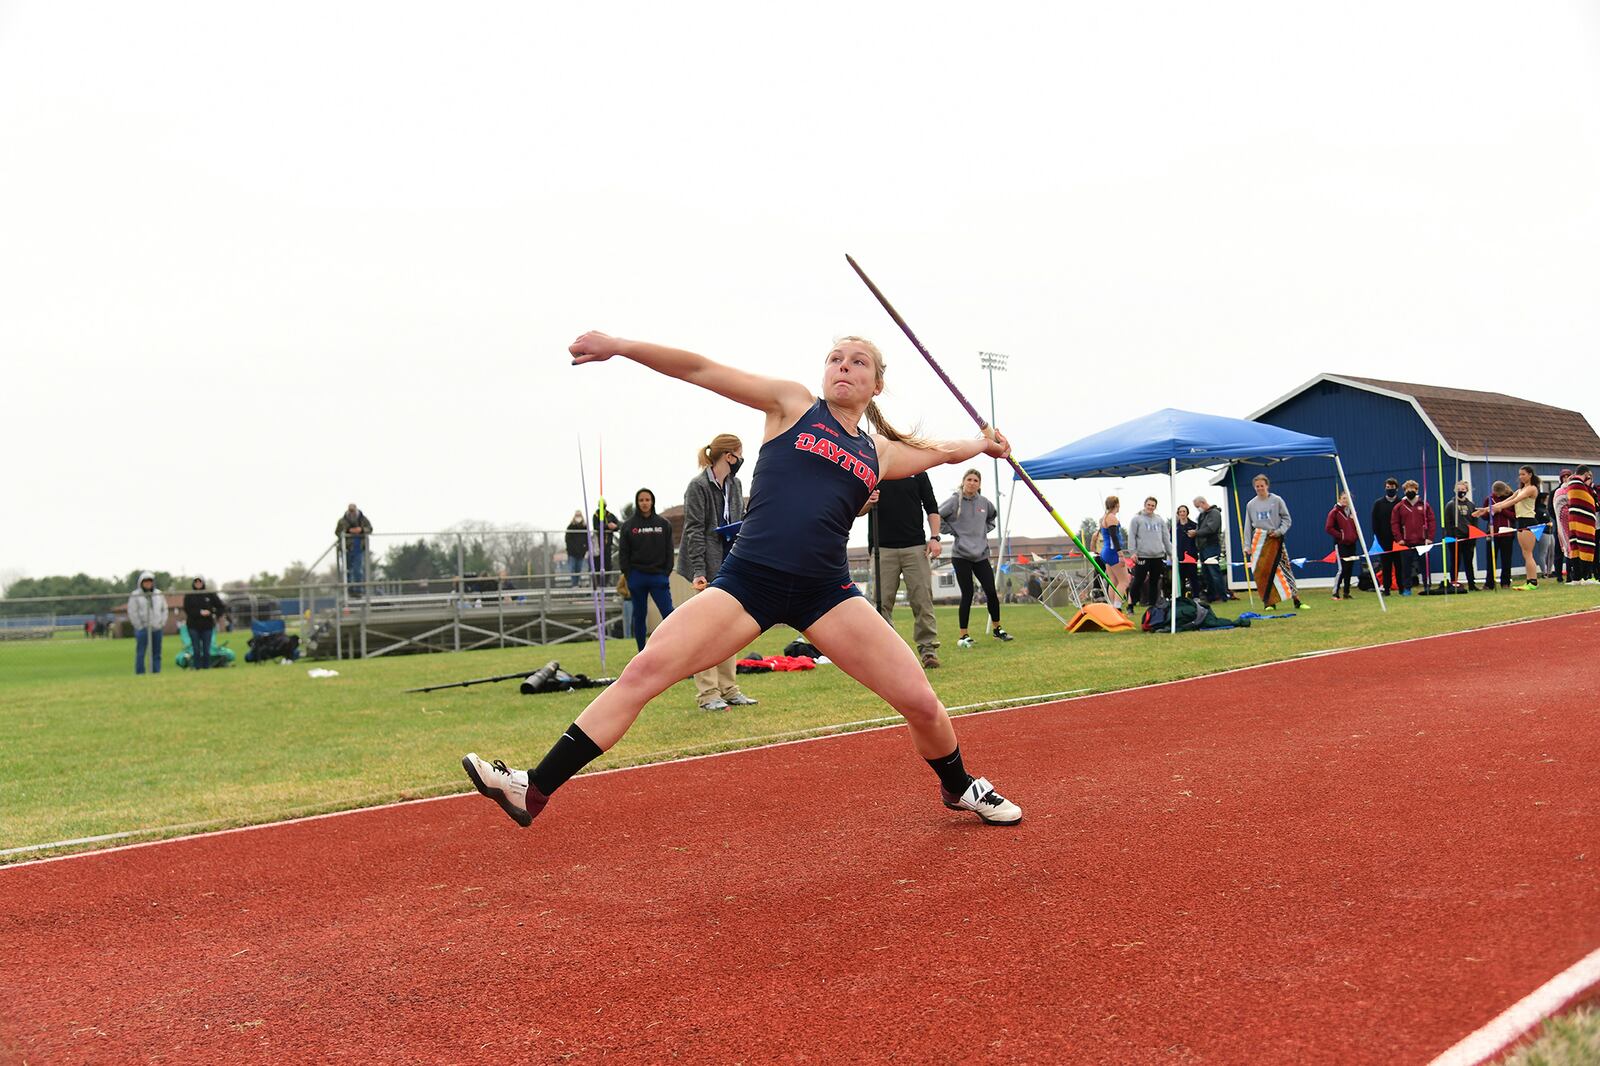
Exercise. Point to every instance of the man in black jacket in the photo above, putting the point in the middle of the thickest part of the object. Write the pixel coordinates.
(1208, 549)
(352, 529)
(644, 554)
(896, 532)
(606, 522)
(1382, 513)
(577, 546)
(201, 609)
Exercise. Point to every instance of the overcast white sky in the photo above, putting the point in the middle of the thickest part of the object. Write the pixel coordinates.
(260, 260)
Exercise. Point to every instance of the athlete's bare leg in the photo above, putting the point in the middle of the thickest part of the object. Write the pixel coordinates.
(859, 642)
(703, 632)
(1525, 541)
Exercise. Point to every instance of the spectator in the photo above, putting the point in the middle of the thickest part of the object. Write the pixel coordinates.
(1112, 549)
(352, 529)
(1266, 523)
(1341, 526)
(1521, 505)
(1183, 528)
(1502, 527)
(147, 613)
(577, 546)
(1544, 545)
(1383, 531)
(714, 498)
(645, 558)
(1558, 565)
(1458, 528)
(1208, 549)
(904, 552)
(1412, 526)
(1150, 544)
(201, 610)
(1575, 522)
(606, 523)
(1458, 525)
(969, 517)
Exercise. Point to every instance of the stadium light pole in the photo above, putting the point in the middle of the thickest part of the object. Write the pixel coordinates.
(993, 361)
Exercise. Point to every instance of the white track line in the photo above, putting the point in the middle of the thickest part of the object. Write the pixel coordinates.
(711, 755)
(1524, 1014)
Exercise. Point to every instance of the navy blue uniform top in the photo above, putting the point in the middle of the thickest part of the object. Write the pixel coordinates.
(810, 483)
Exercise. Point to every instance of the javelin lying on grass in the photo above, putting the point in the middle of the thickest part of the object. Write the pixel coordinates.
(976, 417)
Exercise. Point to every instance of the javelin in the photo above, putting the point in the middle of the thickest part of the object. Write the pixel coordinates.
(976, 417)
(594, 579)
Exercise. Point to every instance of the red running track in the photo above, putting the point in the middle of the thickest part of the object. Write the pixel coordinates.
(1348, 859)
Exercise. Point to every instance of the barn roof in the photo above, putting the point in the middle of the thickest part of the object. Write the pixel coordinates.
(1469, 423)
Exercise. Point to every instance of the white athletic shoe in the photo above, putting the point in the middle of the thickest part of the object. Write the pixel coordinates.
(507, 787)
(981, 799)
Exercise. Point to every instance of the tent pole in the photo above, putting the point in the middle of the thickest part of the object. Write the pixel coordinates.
(1172, 509)
(1360, 534)
(1244, 546)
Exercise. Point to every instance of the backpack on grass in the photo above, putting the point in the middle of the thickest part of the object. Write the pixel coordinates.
(1191, 615)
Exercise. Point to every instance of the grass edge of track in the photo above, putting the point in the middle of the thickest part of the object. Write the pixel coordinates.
(37, 854)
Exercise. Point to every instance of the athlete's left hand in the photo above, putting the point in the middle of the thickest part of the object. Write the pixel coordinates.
(996, 445)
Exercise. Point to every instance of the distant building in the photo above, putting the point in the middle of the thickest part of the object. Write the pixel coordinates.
(1406, 431)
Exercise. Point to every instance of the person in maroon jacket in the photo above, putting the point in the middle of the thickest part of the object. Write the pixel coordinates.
(1341, 526)
(1413, 525)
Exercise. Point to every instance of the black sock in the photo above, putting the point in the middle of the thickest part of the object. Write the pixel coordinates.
(952, 775)
(573, 751)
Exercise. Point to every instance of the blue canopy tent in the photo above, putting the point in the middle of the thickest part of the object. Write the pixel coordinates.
(1172, 440)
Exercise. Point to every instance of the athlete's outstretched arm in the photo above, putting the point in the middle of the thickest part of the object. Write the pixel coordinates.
(774, 396)
(896, 459)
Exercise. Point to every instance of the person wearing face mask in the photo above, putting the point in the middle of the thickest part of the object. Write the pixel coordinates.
(1382, 513)
(1458, 524)
(1574, 507)
(644, 554)
(714, 498)
(1412, 525)
(201, 611)
(1502, 533)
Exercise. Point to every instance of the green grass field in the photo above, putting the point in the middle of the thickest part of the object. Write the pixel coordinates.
(88, 749)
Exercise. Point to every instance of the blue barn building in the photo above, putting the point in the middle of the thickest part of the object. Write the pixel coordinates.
(1396, 429)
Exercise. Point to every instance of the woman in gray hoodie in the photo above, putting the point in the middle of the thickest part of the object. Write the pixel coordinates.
(147, 613)
(969, 516)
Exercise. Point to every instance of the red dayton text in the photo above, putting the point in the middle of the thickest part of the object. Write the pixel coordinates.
(830, 451)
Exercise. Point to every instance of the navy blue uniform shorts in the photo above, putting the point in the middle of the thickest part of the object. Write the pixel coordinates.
(772, 596)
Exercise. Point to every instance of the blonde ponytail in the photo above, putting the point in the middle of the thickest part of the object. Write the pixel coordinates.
(720, 445)
(882, 427)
